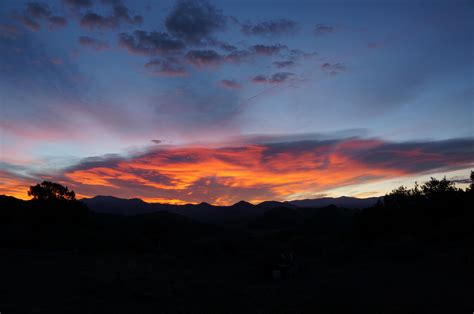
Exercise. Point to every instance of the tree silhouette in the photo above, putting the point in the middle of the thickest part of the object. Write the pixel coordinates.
(48, 191)
(436, 187)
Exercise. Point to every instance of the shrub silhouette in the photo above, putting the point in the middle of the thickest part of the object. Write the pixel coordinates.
(435, 210)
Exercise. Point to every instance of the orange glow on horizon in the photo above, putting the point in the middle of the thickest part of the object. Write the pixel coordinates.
(246, 170)
(14, 187)
(224, 176)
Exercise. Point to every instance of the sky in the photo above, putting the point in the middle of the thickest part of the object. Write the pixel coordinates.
(221, 101)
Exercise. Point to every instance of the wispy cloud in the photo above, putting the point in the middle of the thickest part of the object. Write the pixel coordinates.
(230, 84)
(333, 68)
(276, 78)
(270, 28)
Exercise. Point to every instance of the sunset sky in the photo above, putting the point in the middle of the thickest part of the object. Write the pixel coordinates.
(191, 101)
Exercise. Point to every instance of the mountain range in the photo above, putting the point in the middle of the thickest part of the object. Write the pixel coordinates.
(205, 212)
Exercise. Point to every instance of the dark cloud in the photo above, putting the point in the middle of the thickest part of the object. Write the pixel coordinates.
(260, 79)
(75, 4)
(280, 77)
(238, 56)
(93, 20)
(268, 50)
(276, 78)
(270, 28)
(166, 67)
(105, 161)
(323, 29)
(461, 180)
(230, 84)
(283, 64)
(93, 43)
(29, 23)
(35, 12)
(227, 47)
(416, 157)
(38, 10)
(156, 141)
(203, 58)
(153, 43)
(333, 68)
(299, 138)
(194, 21)
(121, 14)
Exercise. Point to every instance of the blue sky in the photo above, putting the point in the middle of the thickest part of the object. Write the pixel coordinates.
(82, 79)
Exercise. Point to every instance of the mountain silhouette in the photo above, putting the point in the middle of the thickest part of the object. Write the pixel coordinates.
(205, 212)
(343, 201)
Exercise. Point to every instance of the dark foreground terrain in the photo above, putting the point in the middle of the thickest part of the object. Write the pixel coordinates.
(35, 281)
(411, 253)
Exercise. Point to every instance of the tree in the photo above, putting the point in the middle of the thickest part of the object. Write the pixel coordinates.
(436, 187)
(48, 191)
(399, 197)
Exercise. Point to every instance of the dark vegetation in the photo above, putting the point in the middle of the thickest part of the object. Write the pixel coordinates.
(412, 252)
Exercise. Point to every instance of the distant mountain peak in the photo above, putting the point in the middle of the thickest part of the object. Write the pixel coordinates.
(204, 204)
(243, 203)
(136, 199)
(104, 197)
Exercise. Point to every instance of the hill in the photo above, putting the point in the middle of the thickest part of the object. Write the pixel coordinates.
(205, 212)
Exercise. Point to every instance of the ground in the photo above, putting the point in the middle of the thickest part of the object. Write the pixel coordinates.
(39, 281)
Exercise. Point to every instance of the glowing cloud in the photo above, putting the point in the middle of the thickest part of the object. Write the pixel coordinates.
(265, 171)
(257, 171)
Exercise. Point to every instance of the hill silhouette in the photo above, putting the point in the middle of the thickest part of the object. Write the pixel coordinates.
(238, 212)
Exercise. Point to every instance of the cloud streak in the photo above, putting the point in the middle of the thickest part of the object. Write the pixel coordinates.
(276, 78)
(230, 84)
(333, 68)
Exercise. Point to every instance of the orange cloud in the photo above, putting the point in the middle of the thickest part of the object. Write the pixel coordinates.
(260, 171)
(255, 172)
(14, 186)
